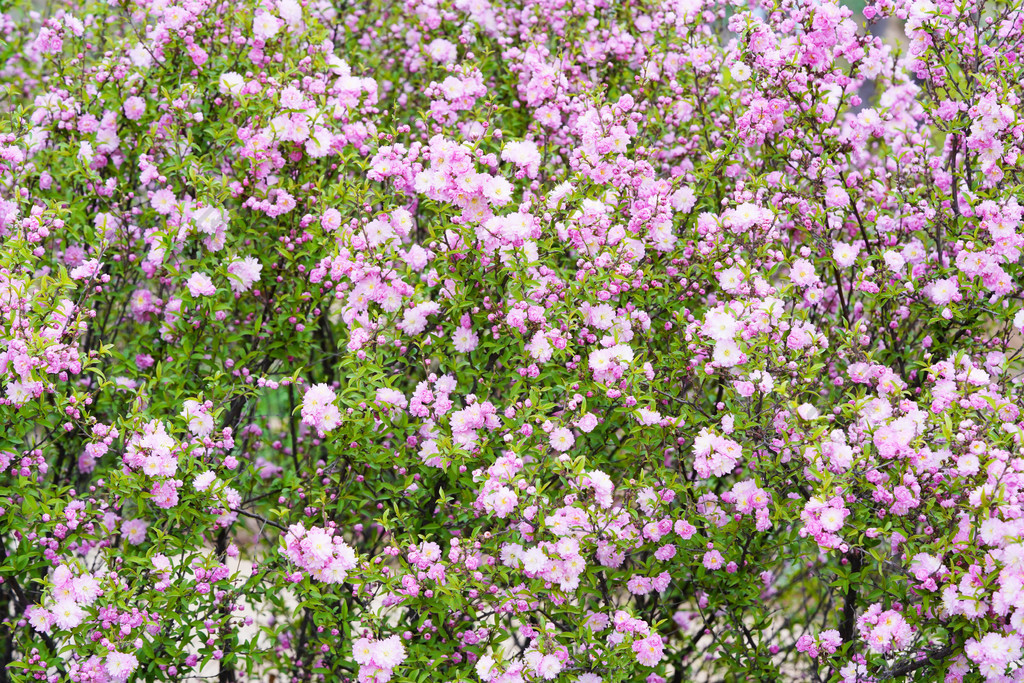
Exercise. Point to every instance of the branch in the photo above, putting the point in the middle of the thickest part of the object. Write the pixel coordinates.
(909, 666)
(259, 517)
(850, 600)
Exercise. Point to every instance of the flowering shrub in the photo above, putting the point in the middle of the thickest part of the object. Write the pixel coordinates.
(508, 341)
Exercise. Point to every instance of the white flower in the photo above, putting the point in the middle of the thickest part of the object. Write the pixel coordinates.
(534, 560)
(807, 412)
(200, 423)
(231, 83)
(389, 653)
(727, 353)
(246, 272)
(265, 25)
(290, 11)
(204, 481)
(85, 152)
(845, 254)
(484, 666)
(740, 72)
(601, 316)
(68, 614)
(1018, 320)
(319, 144)
(649, 417)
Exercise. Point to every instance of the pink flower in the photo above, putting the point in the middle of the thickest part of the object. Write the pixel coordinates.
(163, 201)
(549, 667)
(524, 154)
(265, 25)
(388, 653)
(587, 422)
(802, 273)
(86, 153)
(649, 417)
(134, 108)
(649, 651)
(534, 560)
(683, 199)
(497, 190)
(730, 279)
(204, 481)
(62, 576)
(994, 651)
(562, 439)
(120, 665)
(134, 530)
(639, 585)
(684, 529)
(200, 284)
(503, 501)
(727, 354)
(230, 83)
(245, 273)
(924, 565)
(845, 254)
(890, 631)
(319, 143)
(943, 292)
(175, 17)
(836, 196)
(331, 220)
(465, 340)
(86, 271)
(831, 519)
(67, 614)
(441, 50)
(165, 494)
(326, 557)
(86, 589)
(806, 411)
(713, 560)
(200, 422)
(362, 651)
(40, 618)
(388, 397)
(830, 640)
(318, 409)
(715, 455)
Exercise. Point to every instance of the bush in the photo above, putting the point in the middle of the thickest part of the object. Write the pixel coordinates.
(511, 340)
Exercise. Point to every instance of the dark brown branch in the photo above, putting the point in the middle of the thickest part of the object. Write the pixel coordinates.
(910, 666)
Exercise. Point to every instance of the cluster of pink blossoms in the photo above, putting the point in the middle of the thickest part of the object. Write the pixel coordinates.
(322, 553)
(378, 659)
(714, 455)
(71, 596)
(826, 642)
(884, 631)
(319, 410)
(115, 667)
(643, 318)
(539, 663)
(993, 654)
(823, 520)
(71, 602)
(153, 451)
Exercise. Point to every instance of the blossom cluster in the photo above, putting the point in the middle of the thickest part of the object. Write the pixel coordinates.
(511, 341)
(318, 551)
